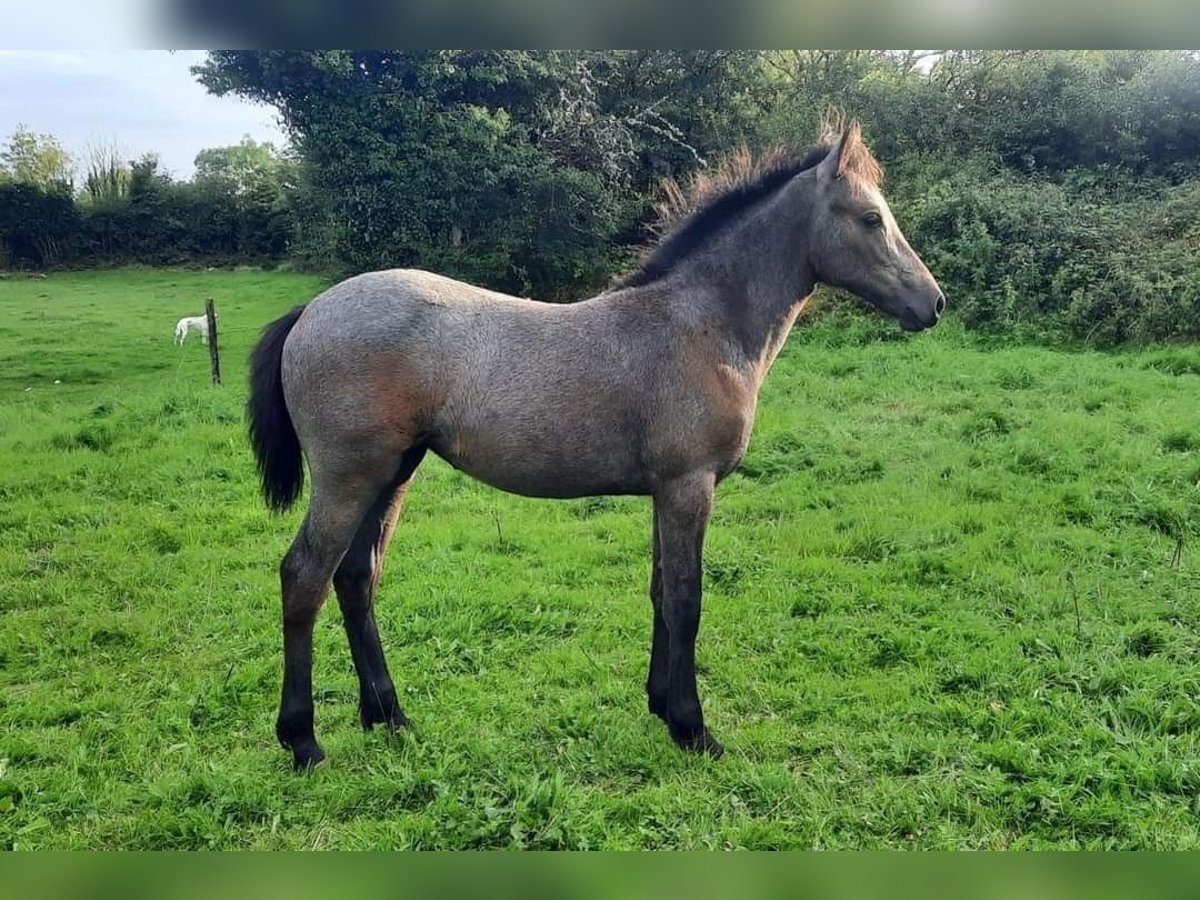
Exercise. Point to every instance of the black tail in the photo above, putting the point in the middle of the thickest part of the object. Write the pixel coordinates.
(272, 434)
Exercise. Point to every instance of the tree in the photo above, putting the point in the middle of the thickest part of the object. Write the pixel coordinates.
(108, 174)
(517, 169)
(37, 159)
(430, 158)
(246, 190)
(242, 168)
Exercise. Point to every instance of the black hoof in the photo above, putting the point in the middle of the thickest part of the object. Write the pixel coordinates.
(295, 733)
(382, 711)
(703, 742)
(306, 757)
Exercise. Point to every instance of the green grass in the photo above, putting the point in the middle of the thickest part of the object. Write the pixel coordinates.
(944, 608)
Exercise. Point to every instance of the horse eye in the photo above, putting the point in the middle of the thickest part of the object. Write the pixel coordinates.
(872, 220)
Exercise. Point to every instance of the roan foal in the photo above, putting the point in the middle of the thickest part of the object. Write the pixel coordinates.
(649, 388)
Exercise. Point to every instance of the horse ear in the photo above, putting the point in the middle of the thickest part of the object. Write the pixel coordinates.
(834, 165)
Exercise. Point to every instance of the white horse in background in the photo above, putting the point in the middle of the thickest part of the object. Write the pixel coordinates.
(186, 324)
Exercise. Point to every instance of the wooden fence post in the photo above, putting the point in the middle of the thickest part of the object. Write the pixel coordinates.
(214, 350)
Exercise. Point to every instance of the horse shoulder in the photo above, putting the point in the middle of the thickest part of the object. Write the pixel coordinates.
(706, 405)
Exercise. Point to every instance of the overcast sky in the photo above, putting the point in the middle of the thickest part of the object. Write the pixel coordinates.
(145, 100)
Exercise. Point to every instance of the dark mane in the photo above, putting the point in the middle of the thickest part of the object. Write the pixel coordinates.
(689, 218)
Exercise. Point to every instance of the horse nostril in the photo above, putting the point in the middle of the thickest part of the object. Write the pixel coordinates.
(939, 306)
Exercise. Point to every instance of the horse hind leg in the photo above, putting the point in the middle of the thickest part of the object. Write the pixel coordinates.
(355, 582)
(329, 527)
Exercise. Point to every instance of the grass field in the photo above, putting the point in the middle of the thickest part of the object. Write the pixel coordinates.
(950, 603)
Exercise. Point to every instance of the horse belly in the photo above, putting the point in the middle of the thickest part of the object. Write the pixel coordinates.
(562, 469)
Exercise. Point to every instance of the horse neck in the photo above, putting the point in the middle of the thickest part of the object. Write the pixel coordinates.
(757, 276)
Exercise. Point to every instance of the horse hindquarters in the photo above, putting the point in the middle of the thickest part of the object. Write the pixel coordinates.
(357, 486)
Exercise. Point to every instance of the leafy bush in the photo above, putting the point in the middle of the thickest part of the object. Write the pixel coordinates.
(1058, 259)
(38, 225)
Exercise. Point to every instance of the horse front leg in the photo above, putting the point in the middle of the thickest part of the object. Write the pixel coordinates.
(682, 510)
(656, 678)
